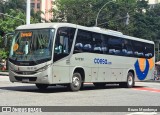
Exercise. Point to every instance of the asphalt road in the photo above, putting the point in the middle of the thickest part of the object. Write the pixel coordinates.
(18, 94)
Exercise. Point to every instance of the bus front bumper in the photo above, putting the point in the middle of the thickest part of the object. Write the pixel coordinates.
(30, 77)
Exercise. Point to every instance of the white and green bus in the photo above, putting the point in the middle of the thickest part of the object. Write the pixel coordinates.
(67, 54)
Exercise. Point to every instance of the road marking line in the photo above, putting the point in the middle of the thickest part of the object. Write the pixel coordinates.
(148, 89)
(142, 113)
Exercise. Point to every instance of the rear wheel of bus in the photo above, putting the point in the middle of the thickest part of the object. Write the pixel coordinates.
(76, 82)
(130, 81)
(41, 86)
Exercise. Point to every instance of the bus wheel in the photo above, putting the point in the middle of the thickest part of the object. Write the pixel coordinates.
(76, 82)
(130, 81)
(41, 86)
(99, 85)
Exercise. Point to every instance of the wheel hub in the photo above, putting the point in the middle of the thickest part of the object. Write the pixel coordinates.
(130, 80)
(76, 81)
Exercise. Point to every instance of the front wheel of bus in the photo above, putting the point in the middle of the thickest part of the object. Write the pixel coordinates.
(76, 82)
(41, 86)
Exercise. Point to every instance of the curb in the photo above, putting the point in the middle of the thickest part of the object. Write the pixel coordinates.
(4, 73)
(153, 81)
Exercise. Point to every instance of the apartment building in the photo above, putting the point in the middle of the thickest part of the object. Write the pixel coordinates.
(36, 5)
(152, 2)
(45, 6)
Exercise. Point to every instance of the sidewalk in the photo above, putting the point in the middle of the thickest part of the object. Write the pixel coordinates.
(155, 81)
(4, 73)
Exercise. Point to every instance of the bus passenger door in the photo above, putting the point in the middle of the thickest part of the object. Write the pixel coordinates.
(62, 50)
(61, 72)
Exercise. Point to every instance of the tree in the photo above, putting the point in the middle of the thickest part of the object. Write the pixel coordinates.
(36, 16)
(14, 4)
(75, 11)
(114, 15)
(147, 23)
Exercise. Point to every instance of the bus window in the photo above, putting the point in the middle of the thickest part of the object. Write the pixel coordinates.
(97, 43)
(138, 49)
(83, 42)
(127, 49)
(63, 43)
(105, 44)
(149, 50)
(115, 45)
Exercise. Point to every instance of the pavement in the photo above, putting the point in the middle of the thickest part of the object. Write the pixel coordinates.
(152, 81)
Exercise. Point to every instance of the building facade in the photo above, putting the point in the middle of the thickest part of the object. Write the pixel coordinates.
(152, 2)
(45, 6)
(36, 5)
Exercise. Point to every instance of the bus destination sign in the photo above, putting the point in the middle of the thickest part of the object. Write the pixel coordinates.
(26, 34)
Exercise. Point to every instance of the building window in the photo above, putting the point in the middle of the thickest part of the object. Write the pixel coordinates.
(32, 5)
(32, 1)
(38, 5)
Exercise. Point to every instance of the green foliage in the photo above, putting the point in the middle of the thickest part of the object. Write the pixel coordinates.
(9, 24)
(6, 5)
(75, 11)
(3, 54)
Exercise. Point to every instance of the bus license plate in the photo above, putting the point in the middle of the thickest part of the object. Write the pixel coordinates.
(25, 80)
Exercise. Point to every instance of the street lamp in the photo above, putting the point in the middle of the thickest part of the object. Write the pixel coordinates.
(127, 19)
(101, 9)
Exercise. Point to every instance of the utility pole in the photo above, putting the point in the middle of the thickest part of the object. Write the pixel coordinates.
(28, 12)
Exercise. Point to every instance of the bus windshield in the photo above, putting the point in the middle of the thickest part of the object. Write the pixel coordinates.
(31, 47)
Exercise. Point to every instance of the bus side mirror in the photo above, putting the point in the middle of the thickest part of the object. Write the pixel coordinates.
(7, 38)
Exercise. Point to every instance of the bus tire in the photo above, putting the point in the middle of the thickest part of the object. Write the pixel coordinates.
(76, 82)
(130, 81)
(99, 85)
(42, 86)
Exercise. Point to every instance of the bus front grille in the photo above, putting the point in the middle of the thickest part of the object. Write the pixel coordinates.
(25, 72)
(21, 78)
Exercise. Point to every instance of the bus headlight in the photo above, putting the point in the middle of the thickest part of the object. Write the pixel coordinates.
(43, 68)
